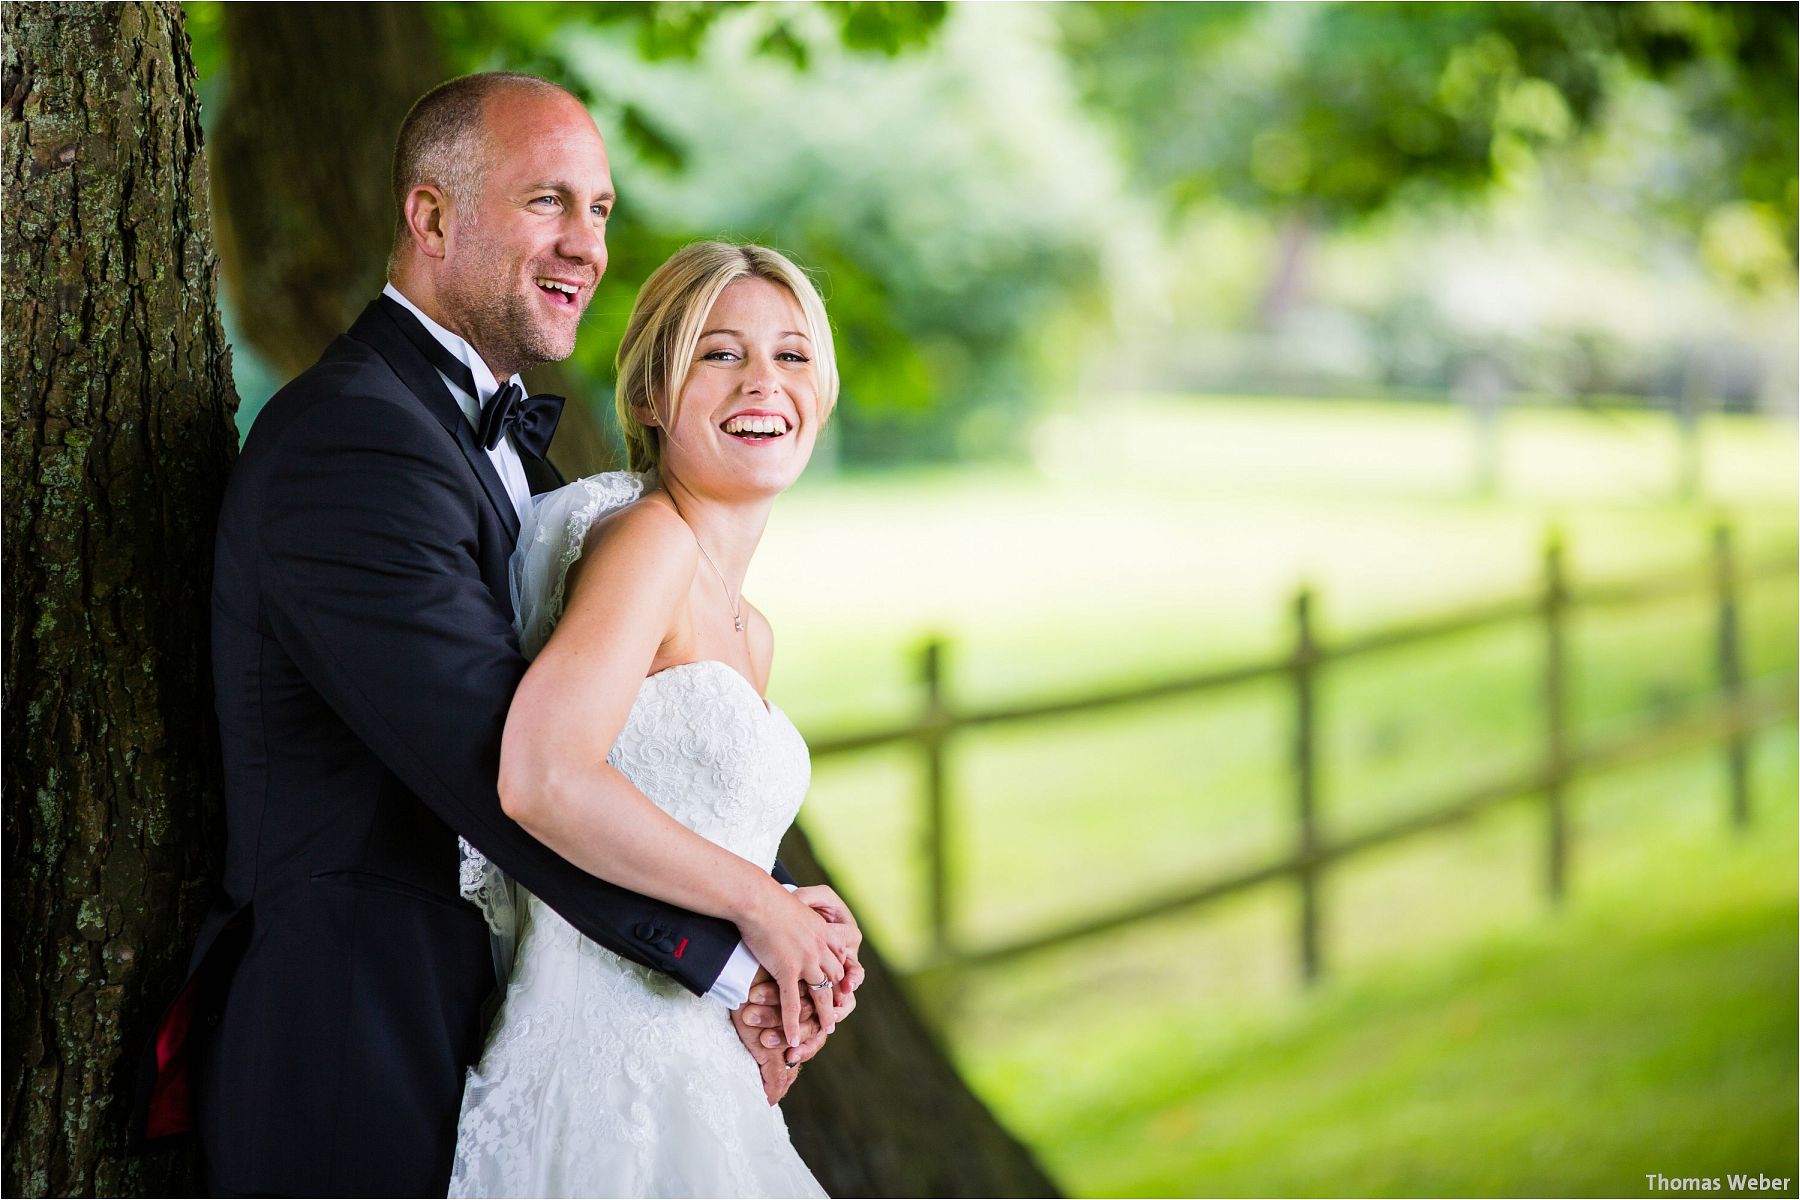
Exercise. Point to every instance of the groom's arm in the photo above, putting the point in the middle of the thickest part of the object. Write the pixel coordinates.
(370, 582)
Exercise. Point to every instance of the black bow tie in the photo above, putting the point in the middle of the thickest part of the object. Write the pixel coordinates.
(530, 419)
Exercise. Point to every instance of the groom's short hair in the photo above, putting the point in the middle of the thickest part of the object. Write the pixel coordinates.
(444, 141)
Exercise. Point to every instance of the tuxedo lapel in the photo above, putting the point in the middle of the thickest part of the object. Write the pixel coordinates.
(391, 331)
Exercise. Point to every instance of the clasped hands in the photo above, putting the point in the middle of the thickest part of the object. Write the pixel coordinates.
(812, 938)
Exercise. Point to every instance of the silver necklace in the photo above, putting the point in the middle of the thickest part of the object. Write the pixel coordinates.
(734, 603)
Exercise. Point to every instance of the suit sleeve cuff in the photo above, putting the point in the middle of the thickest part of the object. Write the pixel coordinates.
(732, 987)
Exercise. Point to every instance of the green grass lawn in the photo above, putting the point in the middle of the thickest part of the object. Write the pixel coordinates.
(1496, 1048)
(1465, 1041)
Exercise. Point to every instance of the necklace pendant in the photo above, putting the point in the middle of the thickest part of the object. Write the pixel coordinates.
(738, 622)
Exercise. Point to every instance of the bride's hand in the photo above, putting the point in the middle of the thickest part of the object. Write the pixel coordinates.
(827, 903)
(800, 948)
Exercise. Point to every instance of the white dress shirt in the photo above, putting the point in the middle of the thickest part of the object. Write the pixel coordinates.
(732, 987)
(504, 456)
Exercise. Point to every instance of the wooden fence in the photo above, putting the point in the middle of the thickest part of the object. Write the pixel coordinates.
(1733, 714)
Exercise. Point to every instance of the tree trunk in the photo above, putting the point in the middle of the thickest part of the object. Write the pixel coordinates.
(118, 434)
(882, 1112)
(1287, 281)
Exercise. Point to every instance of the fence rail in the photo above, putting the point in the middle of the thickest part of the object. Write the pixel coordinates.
(1731, 717)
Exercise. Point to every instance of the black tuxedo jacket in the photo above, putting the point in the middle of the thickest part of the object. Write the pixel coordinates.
(364, 658)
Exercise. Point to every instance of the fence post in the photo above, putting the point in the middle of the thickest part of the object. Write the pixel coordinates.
(1688, 399)
(1731, 673)
(1304, 665)
(934, 730)
(1556, 739)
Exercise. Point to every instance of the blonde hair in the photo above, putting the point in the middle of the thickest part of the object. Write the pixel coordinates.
(666, 323)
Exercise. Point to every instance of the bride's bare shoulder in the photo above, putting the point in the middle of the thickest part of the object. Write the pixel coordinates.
(646, 541)
(650, 517)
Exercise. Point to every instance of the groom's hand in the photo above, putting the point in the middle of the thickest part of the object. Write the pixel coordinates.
(763, 1013)
(758, 1025)
(752, 1021)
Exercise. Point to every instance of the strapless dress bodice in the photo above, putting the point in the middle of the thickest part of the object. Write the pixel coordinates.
(703, 745)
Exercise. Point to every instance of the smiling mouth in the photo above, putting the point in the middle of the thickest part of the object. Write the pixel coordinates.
(756, 428)
(566, 295)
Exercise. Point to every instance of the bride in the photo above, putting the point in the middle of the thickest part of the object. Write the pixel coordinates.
(641, 731)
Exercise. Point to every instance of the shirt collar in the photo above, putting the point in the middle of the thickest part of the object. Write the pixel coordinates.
(456, 344)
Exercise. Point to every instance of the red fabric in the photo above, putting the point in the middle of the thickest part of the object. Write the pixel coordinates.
(171, 1111)
(681, 947)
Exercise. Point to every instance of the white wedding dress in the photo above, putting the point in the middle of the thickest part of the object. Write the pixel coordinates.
(601, 1077)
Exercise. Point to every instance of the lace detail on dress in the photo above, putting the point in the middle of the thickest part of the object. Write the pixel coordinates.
(603, 1077)
(487, 887)
(476, 878)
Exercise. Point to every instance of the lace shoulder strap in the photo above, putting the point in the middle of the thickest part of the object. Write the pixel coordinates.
(551, 538)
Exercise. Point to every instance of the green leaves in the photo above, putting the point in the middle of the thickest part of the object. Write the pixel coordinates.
(1344, 106)
(890, 28)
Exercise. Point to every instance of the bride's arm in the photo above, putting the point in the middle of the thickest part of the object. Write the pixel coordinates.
(573, 702)
(568, 711)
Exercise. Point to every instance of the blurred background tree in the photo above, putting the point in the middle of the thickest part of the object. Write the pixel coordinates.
(1002, 205)
(1390, 124)
(1340, 109)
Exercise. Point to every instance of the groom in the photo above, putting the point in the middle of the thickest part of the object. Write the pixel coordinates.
(364, 659)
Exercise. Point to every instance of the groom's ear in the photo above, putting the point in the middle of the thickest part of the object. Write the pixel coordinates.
(427, 219)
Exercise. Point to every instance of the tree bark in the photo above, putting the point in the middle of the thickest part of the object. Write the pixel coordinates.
(118, 435)
(882, 1111)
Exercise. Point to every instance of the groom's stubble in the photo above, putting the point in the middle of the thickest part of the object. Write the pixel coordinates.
(496, 319)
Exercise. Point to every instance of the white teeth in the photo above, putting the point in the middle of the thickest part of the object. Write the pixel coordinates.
(756, 424)
(557, 285)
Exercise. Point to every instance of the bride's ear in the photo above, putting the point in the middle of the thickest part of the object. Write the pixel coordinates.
(645, 412)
